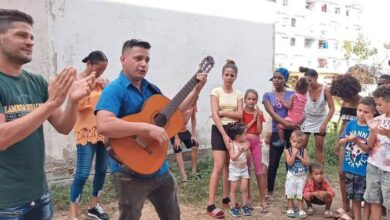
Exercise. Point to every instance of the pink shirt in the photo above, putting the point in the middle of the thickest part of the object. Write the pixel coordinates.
(297, 111)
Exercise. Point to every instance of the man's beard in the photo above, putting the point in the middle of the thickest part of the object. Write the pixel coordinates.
(19, 59)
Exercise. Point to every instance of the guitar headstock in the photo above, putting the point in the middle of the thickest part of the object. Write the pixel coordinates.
(206, 65)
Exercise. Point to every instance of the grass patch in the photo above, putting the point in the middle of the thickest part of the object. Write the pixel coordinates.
(61, 195)
(195, 191)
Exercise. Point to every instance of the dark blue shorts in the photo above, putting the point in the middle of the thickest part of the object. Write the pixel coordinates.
(185, 137)
(355, 186)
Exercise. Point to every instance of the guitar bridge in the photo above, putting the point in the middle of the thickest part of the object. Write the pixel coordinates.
(143, 144)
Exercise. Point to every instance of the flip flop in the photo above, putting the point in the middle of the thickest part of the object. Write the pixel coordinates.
(345, 217)
(268, 198)
(328, 214)
(217, 213)
(250, 206)
(264, 209)
(226, 204)
(338, 213)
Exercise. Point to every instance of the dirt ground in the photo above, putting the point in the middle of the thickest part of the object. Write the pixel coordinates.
(190, 212)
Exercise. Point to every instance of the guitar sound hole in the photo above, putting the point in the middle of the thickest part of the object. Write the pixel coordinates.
(160, 120)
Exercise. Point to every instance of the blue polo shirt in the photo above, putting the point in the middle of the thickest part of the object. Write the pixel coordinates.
(122, 98)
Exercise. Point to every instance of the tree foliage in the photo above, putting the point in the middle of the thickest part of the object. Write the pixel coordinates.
(359, 49)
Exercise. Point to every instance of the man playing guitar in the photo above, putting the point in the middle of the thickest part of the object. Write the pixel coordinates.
(125, 96)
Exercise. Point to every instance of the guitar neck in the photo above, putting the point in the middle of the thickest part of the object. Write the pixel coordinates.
(180, 96)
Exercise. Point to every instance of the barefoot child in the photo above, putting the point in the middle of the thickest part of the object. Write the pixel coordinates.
(253, 119)
(354, 139)
(297, 159)
(296, 108)
(318, 190)
(238, 169)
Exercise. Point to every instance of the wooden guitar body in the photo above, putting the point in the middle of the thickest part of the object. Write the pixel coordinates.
(135, 156)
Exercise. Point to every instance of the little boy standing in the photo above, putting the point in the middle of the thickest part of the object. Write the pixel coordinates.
(378, 168)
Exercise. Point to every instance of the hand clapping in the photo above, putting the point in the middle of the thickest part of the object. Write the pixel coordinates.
(59, 87)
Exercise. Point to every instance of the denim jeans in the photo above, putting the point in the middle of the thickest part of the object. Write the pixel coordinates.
(85, 154)
(40, 209)
(133, 191)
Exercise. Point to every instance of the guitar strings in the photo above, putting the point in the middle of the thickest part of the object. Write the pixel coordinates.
(169, 109)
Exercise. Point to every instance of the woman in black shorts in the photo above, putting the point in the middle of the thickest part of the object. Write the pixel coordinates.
(226, 107)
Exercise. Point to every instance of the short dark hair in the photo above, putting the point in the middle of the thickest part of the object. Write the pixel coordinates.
(302, 85)
(95, 56)
(230, 64)
(9, 16)
(386, 78)
(345, 86)
(308, 71)
(235, 129)
(135, 43)
(315, 166)
(382, 92)
(369, 101)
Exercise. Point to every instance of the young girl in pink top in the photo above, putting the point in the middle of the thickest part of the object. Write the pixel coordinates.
(296, 108)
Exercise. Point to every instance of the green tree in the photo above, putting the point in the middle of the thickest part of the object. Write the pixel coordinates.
(360, 49)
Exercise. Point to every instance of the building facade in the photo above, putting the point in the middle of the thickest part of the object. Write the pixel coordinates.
(311, 33)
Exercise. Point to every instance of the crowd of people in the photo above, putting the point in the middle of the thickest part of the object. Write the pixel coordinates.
(361, 147)
(240, 143)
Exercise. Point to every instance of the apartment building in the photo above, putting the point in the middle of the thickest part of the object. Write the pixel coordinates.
(311, 33)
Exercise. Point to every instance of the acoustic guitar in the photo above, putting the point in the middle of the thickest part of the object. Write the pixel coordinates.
(142, 154)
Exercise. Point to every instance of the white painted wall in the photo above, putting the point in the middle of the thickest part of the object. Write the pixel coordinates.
(66, 31)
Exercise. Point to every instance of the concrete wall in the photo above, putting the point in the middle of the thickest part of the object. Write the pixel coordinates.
(66, 31)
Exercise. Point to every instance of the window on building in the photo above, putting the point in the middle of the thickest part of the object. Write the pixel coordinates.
(347, 12)
(323, 44)
(285, 2)
(308, 42)
(337, 10)
(324, 8)
(293, 22)
(292, 42)
(336, 45)
(322, 63)
(309, 4)
(357, 28)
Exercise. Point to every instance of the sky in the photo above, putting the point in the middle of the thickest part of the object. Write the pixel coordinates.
(376, 20)
(375, 16)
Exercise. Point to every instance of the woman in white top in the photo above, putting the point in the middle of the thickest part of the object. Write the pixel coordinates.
(316, 117)
(226, 107)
